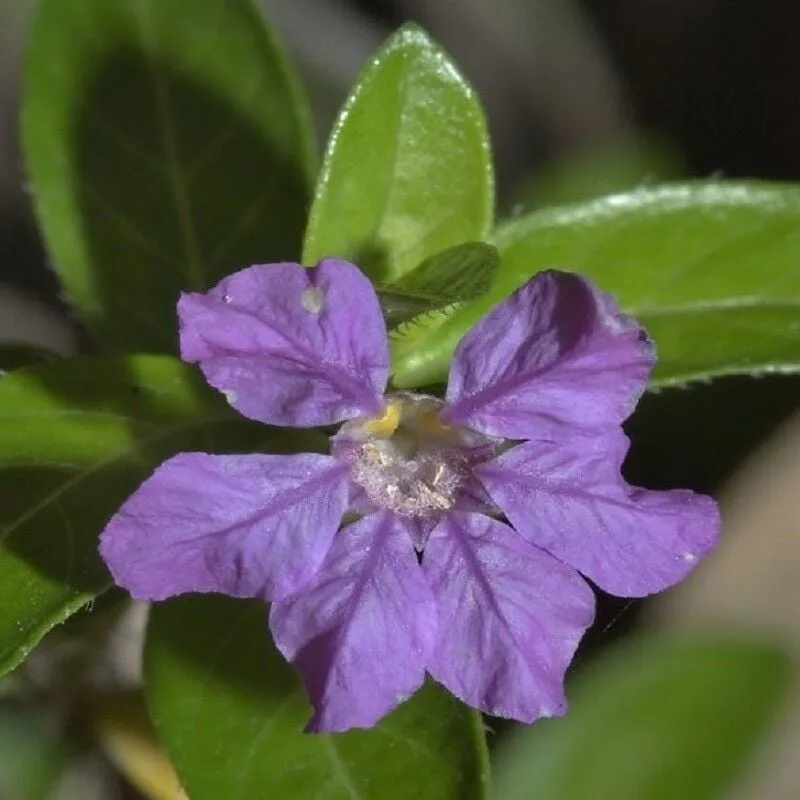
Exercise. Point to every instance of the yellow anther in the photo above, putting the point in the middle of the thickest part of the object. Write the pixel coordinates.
(386, 425)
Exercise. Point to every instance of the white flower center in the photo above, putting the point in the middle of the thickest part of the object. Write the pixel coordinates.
(407, 461)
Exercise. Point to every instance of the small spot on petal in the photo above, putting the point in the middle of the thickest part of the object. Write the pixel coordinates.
(230, 395)
(312, 299)
(226, 298)
(545, 712)
(690, 557)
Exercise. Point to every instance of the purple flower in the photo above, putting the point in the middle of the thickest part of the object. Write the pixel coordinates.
(439, 536)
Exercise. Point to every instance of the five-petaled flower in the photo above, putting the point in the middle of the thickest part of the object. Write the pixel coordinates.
(468, 519)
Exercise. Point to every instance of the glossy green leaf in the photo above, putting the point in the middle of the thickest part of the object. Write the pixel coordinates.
(76, 438)
(230, 712)
(167, 146)
(460, 273)
(710, 269)
(408, 169)
(655, 720)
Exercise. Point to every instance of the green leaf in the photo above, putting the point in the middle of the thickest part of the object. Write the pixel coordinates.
(76, 438)
(231, 711)
(655, 720)
(168, 148)
(460, 273)
(710, 269)
(408, 168)
(32, 755)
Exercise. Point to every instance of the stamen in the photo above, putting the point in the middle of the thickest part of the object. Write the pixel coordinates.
(408, 462)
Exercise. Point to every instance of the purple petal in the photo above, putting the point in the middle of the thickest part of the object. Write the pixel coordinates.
(511, 618)
(418, 529)
(289, 345)
(571, 500)
(361, 633)
(245, 525)
(556, 351)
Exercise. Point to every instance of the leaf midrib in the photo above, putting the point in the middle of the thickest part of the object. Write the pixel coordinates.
(731, 304)
(95, 467)
(174, 171)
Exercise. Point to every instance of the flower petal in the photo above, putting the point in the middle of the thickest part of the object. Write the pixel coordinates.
(571, 500)
(556, 351)
(418, 529)
(361, 633)
(290, 345)
(510, 614)
(243, 525)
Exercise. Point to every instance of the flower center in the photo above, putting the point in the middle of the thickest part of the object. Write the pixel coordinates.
(407, 461)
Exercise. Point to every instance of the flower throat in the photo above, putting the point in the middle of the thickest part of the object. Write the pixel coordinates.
(407, 461)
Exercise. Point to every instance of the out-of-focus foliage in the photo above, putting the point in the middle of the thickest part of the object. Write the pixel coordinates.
(126, 735)
(657, 719)
(33, 754)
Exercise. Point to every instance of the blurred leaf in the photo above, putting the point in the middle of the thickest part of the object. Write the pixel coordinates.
(163, 154)
(231, 711)
(653, 720)
(14, 356)
(32, 755)
(408, 168)
(710, 269)
(460, 273)
(128, 740)
(77, 437)
(616, 167)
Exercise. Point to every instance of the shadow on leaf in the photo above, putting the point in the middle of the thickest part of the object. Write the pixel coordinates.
(175, 188)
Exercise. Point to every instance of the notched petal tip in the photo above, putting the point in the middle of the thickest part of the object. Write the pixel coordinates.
(291, 345)
(361, 632)
(511, 615)
(244, 525)
(557, 351)
(570, 499)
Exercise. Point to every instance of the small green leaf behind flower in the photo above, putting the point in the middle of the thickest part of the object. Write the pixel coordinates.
(460, 273)
(408, 170)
